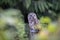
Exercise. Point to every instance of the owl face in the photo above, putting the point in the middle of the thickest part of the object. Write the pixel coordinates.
(32, 15)
(32, 19)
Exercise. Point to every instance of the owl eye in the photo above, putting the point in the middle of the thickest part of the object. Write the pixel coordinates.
(34, 15)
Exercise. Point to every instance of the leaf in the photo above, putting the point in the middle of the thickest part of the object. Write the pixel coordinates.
(42, 6)
(27, 3)
(45, 5)
(50, 5)
(36, 8)
(39, 6)
(52, 12)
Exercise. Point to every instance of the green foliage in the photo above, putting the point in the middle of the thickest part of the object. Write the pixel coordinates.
(45, 20)
(10, 2)
(41, 5)
(27, 3)
(12, 17)
(35, 5)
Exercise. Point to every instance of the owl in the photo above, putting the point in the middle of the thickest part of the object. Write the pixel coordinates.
(34, 25)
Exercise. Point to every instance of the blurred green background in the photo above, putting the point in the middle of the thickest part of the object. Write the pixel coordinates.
(42, 8)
